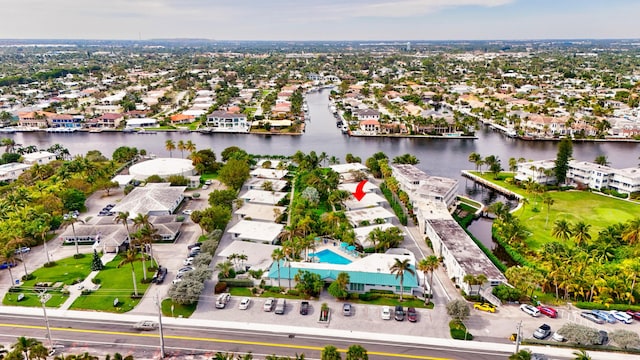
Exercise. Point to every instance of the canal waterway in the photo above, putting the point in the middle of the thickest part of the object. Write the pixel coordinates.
(442, 157)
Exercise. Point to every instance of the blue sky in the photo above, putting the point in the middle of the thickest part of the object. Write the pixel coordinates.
(320, 19)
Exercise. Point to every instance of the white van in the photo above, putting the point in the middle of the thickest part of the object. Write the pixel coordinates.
(222, 300)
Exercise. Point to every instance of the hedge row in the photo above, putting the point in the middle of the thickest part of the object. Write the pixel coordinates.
(397, 208)
(238, 282)
(511, 251)
(597, 306)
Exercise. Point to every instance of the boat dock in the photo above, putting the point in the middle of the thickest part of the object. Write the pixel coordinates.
(507, 193)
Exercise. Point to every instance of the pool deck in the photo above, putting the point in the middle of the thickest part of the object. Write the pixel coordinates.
(334, 246)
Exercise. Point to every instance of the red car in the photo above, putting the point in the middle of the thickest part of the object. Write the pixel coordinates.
(634, 314)
(549, 311)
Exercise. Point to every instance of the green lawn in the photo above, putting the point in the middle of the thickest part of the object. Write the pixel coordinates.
(114, 283)
(66, 271)
(597, 210)
(184, 311)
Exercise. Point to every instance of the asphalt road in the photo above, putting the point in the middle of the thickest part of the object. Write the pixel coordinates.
(78, 336)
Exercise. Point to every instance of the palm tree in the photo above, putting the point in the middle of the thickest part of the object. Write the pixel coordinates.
(399, 268)
(25, 345)
(9, 256)
(562, 230)
(181, 147)
(547, 200)
(631, 232)
(523, 354)
(356, 352)
(130, 258)
(225, 268)
(170, 146)
(123, 217)
(602, 160)
(581, 233)
(277, 255)
(428, 265)
(524, 201)
(70, 219)
(190, 146)
(17, 242)
(581, 355)
(475, 158)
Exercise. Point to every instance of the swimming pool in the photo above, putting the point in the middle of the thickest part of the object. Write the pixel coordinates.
(328, 256)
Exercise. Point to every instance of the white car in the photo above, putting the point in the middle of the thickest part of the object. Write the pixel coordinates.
(529, 309)
(268, 305)
(188, 261)
(176, 280)
(187, 212)
(244, 303)
(205, 187)
(386, 313)
(622, 316)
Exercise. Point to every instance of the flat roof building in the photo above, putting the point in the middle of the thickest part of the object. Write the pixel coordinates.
(260, 212)
(370, 215)
(163, 167)
(12, 171)
(263, 197)
(256, 231)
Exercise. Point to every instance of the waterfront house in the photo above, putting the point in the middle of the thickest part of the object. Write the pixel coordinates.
(34, 119)
(222, 121)
(370, 127)
(263, 173)
(12, 171)
(40, 157)
(181, 118)
(109, 120)
(367, 114)
(142, 123)
(415, 181)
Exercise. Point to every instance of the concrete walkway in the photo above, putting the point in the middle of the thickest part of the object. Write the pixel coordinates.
(76, 290)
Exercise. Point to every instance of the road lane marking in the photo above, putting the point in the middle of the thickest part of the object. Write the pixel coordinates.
(231, 341)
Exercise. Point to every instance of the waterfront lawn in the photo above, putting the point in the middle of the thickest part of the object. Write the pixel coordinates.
(179, 310)
(501, 181)
(115, 282)
(595, 209)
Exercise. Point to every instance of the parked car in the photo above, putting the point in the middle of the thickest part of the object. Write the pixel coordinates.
(205, 187)
(194, 245)
(281, 307)
(604, 316)
(187, 212)
(160, 274)
(5, 265)
(542, 332)
(185, 270)
(634, 314)
(591, 317)
(622, 316)
(603, 338)
(208, 182)
(146, 325)
(548, 311)
(386, 313)
(244, 303)
(268, 305)
(484, 307)
(412, 315)
(399, 313)
(222, 300)
(23, 250)
(176, 280)
(347, 310)
(531, 310)
(188, 261)
(557, 337)
(304, 308)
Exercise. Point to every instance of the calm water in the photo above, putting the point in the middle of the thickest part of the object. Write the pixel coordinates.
(437, 156)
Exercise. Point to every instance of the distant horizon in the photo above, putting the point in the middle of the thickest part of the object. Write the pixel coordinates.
(327, 20)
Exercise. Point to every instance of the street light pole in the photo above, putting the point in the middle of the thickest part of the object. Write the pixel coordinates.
(518, 337)
(159, 305)
(43, 300)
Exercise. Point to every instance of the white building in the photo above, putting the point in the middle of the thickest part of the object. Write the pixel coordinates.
(40, 157)
(256, 231)
(163, 167)
(262, 197)
(418, 184)
(221, 121)
(11, 172)
(540, 171)
(152, 199)
(142, 123)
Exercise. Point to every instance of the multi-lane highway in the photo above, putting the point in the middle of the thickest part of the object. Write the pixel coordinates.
(114, 336)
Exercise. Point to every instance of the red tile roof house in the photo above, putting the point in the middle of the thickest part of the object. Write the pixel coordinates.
(182, 119)
(35, 119)
(370, 126)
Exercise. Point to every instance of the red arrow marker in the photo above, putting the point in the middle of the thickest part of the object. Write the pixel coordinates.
(359, 194)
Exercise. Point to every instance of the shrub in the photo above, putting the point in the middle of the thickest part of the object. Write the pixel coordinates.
(458, 331)
(506, 293)
(96, 281)
(50, 264)
(237, 283)
(597, 306)
(221, 286)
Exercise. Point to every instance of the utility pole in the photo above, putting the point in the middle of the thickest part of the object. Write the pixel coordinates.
(43, 299)
(159, 305)
(518, 337)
